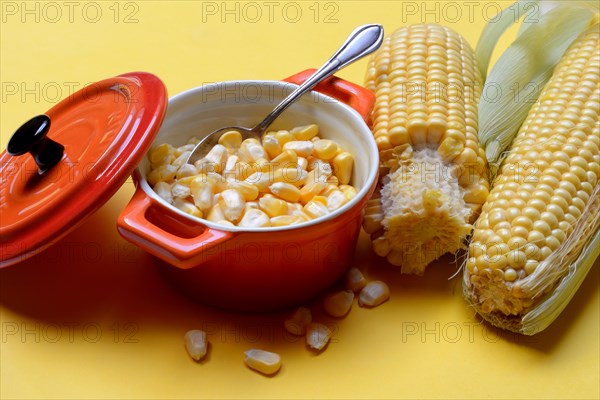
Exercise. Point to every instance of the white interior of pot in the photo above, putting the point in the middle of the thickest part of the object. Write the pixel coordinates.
(199, 111)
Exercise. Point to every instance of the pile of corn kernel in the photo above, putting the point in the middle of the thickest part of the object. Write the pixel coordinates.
(291, 177)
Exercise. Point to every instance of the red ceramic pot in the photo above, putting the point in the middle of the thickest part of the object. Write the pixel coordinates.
(257, 268)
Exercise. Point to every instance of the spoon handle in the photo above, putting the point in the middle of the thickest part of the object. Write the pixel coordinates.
(362, 41)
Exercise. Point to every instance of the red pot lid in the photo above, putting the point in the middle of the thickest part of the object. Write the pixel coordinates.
(84, 148)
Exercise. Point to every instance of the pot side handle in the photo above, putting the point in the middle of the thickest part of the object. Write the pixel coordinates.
(356, 96)
(167, 235)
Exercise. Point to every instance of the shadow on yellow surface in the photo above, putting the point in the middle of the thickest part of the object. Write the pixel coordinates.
(94, 275)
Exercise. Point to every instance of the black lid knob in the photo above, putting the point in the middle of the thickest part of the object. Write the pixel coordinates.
(31, 138)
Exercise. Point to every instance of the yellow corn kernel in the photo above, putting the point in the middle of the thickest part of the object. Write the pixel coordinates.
(225, 222)
(283, 137)
(311, 189)
(201, 189)
(285, 220)
(302, 148)
(381, 246)
(217, 180)
(319, 168)
(286, 159)
(215, 160)
(317, 335)
(335, 200)
(186, 170)
(354, 280)
(187, 207)
(295, 176)
(215, 214)
(186, 148)
(262, 361)
(251, 150)
(180, 191)
(162, 154)
(261, 165)
(230, 170)
(325, 149)
(316, 208)
(231, 140)
(285, 191)
(255, 218)
(333, 180)
(163, 190)
(338, 304)
(305, 132)
(373, 294)
(180, 160)
(297, 322)
(343, 164)
(271, 146)
(302, 163)
(164, 173)
(232, 204)
(196, 344)
(248, 190)
(262, 180)
(349, 191)
(186, 180)
(243, 170)
(330, 189)
(273, 206)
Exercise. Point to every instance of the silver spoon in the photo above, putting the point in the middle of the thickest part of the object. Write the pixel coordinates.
(362, 41)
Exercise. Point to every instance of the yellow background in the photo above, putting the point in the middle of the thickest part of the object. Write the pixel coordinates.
(92, 317)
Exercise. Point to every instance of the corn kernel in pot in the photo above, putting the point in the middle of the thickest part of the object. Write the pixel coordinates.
(293, 176)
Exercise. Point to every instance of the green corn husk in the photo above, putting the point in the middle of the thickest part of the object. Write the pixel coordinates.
(520, 74)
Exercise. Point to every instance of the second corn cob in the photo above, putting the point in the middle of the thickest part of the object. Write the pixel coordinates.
(434, 173)
(543, 210)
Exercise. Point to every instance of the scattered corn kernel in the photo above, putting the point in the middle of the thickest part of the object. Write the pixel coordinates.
(296, 324)
(262, 361)
(373, 294)
(196, 343)
(317, 335)
(339, 303)
(354, 280)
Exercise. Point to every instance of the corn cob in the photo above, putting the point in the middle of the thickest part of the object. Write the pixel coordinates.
(544, 206)
(434, 173)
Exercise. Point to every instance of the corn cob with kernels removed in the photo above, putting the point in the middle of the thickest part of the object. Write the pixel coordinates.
(433, 171)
